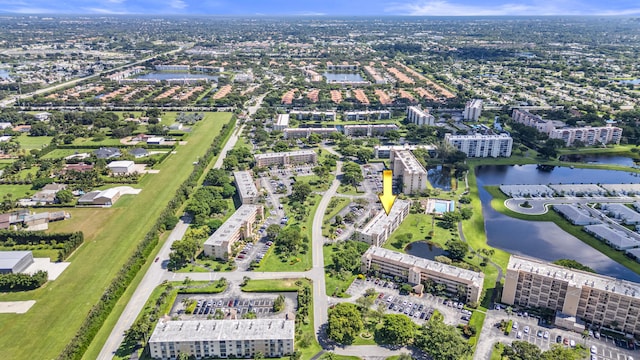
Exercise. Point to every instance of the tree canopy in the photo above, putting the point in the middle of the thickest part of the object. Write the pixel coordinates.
(345, 323)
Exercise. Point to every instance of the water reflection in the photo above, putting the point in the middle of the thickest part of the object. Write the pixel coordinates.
(425, 249)
(439, 178)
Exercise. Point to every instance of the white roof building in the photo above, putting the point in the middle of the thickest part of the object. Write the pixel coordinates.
(121, 167)
(246, 186)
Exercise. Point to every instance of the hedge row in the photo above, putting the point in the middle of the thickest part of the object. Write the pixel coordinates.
(76, 348)
(22, 282)
(65, 242)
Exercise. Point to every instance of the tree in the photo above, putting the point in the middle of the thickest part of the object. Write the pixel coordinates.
(345, 323)
(278, 304)
(300, 191)
(64, 196)
(572, 264)
(523, 350)
(272, 231)
(352, 174)
(442, 341)
(457, 250)
(347, 258)
(230, 162)
(397, 329)
(217, 177)
(364, 154)
(289, 240)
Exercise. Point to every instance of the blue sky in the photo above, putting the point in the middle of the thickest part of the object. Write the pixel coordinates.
(326, 7)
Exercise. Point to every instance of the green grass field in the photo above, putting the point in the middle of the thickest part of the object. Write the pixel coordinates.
(333, 285)
(61, 153)
(16, 191)
(62, 304)
(33, 142)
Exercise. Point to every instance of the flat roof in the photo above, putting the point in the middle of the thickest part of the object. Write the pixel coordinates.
(233, 224)
(282, 120)
(9, 259)
(477, 137)
(409, 161)
(120, 163)
(411, 261)
(575, 278)
(246, 186)
(222, 330)
(381, 221)
(419, 111)
(285, 154)
(403, 147)
(371, 126)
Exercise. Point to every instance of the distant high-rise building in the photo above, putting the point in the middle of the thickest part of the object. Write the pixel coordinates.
(420, 117)
(473, 109)
(409, 171)
(478, 145)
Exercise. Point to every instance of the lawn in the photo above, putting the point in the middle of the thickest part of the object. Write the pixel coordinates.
(63, 304)
(496, 353)
(477, 319)
(335, 206)
(16, 191)
(33, 142)
(62, 153)
(271, 285)
(333, 285)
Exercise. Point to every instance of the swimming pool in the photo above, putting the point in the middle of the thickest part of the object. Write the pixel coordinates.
(440, 206)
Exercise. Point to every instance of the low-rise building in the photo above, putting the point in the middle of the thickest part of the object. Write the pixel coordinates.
(472, 110)
(408, 171)
(616, 238)
(247, 189)
(368, 130)
(107, 153)
(47, 195)
(597, 299)
(313, 115)
(417, 116)
(621, 212)
(416, 270)
(381, 226)
(123, 167)
(575, 214)
(477, 145)
(281, 123)
(286, 158)
(367, 115)
(13, 262)
(239, 226)
(103, 198)
(384, 151)
(305, 132)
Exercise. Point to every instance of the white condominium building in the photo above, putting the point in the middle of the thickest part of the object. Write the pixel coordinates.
(478, 145)
(408, 170)
(246, 186)
(286, 158)
(368, 130)
(597, 299)
(381, 226)
(206, 339)
(282, 122)
(473, 109)
(384, 151)
(417, 270)
(239, 226)
(297, 133)
(367, 115)
(528, 119)
(420, 117)
(313, 115)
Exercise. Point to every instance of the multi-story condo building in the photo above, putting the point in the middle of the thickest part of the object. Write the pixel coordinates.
(597, 299)
(417, 270)
(588, 135)
(367, 115)
(373, 73)
(282, 122)
(381, 226)
(297, 133)
(286, 158)
(247, 189)
(368, 130)
(478, 145)
(239, 226)
(341, 67)
(206, 339)
(313, 115)
(473, 109)
(172, 67)
(420, 117)
(384, 151)
(408, 171)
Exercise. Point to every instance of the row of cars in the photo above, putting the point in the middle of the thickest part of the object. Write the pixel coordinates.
(261, 253)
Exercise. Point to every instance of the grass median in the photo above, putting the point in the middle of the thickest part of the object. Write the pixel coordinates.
(62, 305)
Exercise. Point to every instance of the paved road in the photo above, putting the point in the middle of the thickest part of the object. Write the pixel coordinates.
(320, 299)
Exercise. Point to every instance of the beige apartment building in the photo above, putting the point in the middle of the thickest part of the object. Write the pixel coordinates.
(408, 170)
(419, 116)
(594, 298)
(286, 158)
(247, 189)
(239, 226)
(417, 270)
(206, 339)
(381, 226)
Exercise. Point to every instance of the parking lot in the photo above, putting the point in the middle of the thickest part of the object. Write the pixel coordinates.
(528, 328)
(418, 308)
(234, 306)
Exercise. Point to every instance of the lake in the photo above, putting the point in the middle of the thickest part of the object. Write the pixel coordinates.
(425, 250)
(545, 240)
(600, 159)
(634, 82)
(4, 74)
(165, 75)
(439, 179)
(343, 77)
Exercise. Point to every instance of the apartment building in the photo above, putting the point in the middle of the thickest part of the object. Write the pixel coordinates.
(381, 226)
(367, 115)
(417, 270)
(374, 74)
(298, 133)
(206, 339)
(419, 116)
(313, 115)
(368, 130)
(478, 145)
(597, 299)
(281, 123)
(341, 67)
(472, 110)
(384, 151)
(172, 67)
(408, 171)
(286, 158)
(535, 121)
(247, 189)
(239, 226)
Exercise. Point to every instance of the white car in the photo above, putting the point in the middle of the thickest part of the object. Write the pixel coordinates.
(519, 335)
(526, 329)
(546, 335)
(515, 325)
(572, 343)
(594, 349)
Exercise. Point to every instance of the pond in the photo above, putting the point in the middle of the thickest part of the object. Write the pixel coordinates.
(342, 77)
(633, 82)
(165, 75)
(425, 250)
(545, 240)
(438, 178)
(4, 74)
(600, 159)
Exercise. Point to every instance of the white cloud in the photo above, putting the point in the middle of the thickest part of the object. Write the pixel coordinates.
(94, 10)
(115, 1)
(536, 7)
(31, 10)
(177, 4)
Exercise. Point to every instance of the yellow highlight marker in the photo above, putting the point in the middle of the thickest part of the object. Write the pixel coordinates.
(387, 198)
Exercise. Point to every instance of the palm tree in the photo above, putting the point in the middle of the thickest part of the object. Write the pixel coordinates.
(585, 335)
(509, 311)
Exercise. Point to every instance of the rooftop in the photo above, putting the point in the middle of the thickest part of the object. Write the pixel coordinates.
(381, 221)
(410, 261)
(279, 154)
(575, 277)
(9, 259)
(233, 224)
(409, 161)
(246, 186)
(282, 120)
(219, 330)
